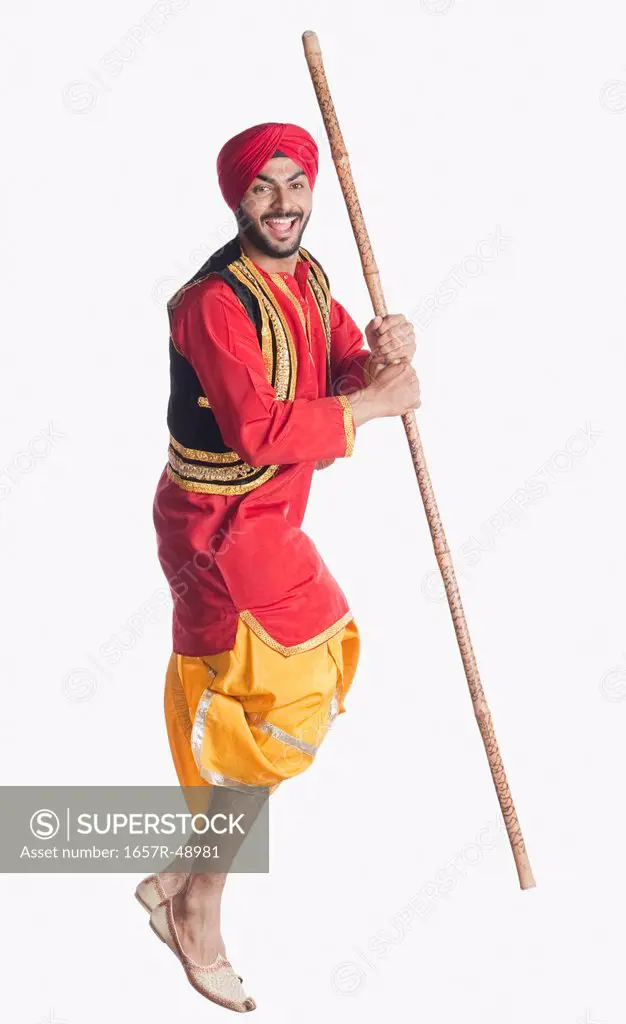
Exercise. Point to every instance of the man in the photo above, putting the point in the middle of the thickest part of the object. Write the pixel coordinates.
(269, 380)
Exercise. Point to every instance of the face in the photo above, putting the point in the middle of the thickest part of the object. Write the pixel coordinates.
(276, 208)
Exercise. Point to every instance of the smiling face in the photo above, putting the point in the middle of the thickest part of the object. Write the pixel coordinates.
(275, 209)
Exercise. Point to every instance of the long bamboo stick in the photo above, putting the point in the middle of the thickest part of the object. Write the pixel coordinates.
(313, 56)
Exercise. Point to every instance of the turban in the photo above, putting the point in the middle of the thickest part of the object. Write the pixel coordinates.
(243, 156)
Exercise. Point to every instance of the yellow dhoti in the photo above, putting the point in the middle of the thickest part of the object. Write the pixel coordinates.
(253, 716)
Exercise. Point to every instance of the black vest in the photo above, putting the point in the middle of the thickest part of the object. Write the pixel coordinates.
(198, 458)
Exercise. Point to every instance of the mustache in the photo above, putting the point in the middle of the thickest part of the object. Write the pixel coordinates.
(289, 216)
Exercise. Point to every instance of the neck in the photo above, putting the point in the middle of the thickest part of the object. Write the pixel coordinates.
(271, 264)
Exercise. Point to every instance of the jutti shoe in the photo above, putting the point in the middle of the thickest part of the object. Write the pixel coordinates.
(150, 892)
(217, 981)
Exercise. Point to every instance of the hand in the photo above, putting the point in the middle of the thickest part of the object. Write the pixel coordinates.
(391, 340)
(396, 389)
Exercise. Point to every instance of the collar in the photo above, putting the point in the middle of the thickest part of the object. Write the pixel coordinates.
(300, 273)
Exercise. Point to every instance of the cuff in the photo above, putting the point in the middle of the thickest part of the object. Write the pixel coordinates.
(348, 424)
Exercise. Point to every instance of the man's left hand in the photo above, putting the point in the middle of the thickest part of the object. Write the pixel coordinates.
(391, 339)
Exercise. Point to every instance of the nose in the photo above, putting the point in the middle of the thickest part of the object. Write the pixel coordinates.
(283, 200)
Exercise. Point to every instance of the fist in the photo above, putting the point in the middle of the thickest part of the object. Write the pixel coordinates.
(397, 389)
(391, 339)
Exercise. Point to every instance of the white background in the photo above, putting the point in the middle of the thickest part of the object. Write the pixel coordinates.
(463, 120)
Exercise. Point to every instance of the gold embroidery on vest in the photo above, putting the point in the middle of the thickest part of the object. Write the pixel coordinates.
(321, 305)
(286, 372)
(281, 372)
(321, 293)
(280, 361)
(207, 473)
(200, 488)
(204, 456)
(266, 347)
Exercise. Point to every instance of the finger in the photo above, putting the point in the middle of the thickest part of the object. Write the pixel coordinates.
(397, 337)
(401, 332)
(392, 357)
(393, 319)
(390, 345)
(393, 343)
(388, 373)
(389, 321)
(373, 325)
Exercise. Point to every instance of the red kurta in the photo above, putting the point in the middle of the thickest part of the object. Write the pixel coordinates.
(222, 554)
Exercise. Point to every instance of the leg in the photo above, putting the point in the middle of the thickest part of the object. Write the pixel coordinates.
(196, 908)
(264, 749)
(197, 894)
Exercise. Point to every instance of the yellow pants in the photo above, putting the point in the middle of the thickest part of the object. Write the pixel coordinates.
(252, 717)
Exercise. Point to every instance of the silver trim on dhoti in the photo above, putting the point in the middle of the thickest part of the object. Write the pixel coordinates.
(197, 733)
(334, 708)
(197, 736)
(284, 737)
(223, 780)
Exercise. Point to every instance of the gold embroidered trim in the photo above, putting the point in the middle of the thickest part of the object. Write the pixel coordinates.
(229, 489)
(286, 351)
(277, 374)
(266, 333)
(348, 423)
(320, 300)
(280, 360)
(306, 645)
(266, 342)
(208, 473)
(208, 479)
(203, 456)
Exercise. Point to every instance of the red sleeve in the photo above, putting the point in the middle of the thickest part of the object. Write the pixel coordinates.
(347, 356)
(220, 341)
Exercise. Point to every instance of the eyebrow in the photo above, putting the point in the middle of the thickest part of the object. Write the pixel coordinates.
(272, 181)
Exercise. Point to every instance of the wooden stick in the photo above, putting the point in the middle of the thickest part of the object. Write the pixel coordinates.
(313, 56)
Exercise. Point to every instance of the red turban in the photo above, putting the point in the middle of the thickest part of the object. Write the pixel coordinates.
(243, 156)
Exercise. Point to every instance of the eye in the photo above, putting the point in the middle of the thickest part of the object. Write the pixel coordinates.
(259, 188)
(297, 184)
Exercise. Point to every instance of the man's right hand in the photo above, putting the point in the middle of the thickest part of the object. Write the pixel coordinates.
(394, 391)
(398, 389)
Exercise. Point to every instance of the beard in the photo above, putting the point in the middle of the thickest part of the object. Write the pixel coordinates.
(278, 250)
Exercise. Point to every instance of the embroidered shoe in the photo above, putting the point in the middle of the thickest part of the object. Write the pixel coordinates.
(217, 981)
(150, 892)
